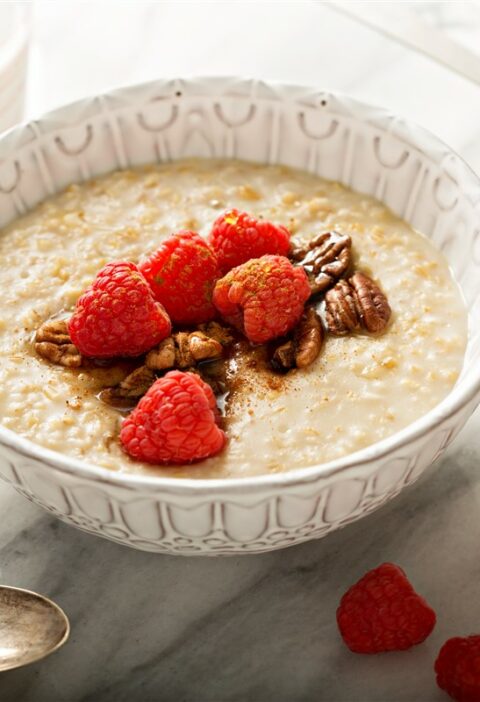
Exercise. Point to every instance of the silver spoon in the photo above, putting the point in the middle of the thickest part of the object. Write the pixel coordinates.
(31, 627)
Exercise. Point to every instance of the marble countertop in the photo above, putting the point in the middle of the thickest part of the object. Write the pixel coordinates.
(254, 628)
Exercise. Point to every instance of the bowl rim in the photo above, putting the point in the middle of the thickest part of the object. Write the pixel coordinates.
(456, 399)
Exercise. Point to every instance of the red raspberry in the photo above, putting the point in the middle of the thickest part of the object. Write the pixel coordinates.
(458, 668)
(182, 274)
(175, 422)
(382, 612)
(264, 297)
(117, 315)
(237, 237)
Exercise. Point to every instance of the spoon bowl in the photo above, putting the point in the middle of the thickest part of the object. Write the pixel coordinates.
(31, 627)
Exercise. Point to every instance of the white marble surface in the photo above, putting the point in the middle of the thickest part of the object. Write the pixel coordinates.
(255, 628)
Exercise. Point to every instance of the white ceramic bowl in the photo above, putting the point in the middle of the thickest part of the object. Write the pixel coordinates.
(366, 148)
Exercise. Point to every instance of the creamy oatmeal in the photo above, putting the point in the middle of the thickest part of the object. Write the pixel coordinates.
(361, 389)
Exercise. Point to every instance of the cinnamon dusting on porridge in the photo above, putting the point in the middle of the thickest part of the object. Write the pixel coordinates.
(350, 373)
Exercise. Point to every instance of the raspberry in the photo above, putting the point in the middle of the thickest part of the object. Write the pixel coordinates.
(175, 422)
(182, 274)
(117, 315)
(263, 298)
(458, 668)
(382, 612)
(237, 237)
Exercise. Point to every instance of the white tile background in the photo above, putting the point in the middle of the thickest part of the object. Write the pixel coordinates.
(80, 48)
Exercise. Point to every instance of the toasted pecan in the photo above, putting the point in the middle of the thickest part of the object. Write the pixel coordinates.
(340, 309)
(162, 357)
(184, 350)
(52, 342)
(203, 347)
(283, 358)
(308, 336)
(217, 331)
(304, 346)
(355, 303)
(325, 259)
(134, 386)
(371, 303)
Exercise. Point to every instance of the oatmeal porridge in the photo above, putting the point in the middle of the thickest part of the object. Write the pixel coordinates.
(361, 388)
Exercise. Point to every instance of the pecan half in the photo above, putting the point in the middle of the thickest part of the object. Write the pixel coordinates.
(341, 313)
(371, 303)
(283, 358)
(54, 331)
(355, 303)
(203, 347)
(126, 393)
(183, 356)
(183, 350)
(304, 347)
(325, 259)
(217, 331)
(308, 338)
(52, 342)
(163, 356)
